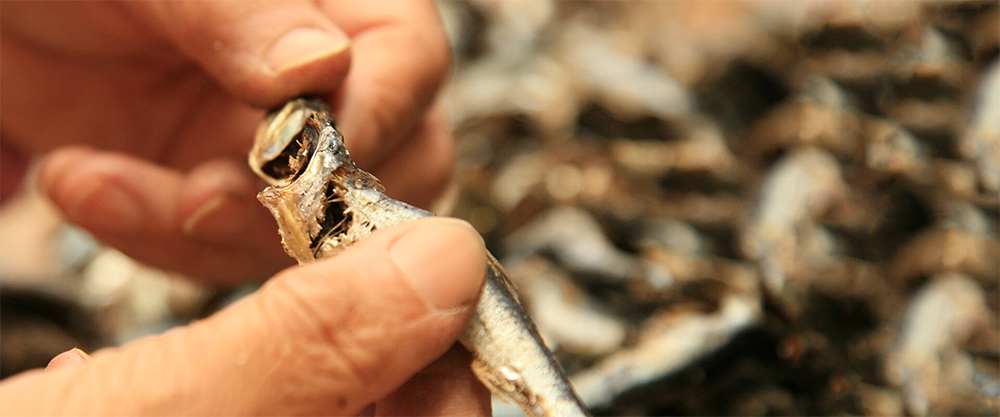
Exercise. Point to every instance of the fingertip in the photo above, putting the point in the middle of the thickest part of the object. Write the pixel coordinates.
(445, 261)
(71, 357)
(304, 60)
(261, 52)
(82, 184)
(301, 47)
(217, 203)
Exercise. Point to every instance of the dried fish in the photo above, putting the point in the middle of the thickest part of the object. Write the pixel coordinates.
(515, 180)
(578, 242)
(323, 203)
(946, 248)
(892, 149)
(933, 58)
(819, 116)
(928, 361)
(667, 343)
(845, 154)
(517, 25)
(799, 189)
(700, 148)
(881, 402)
(626, 84)
(981, 141)
(671, 234)
(537, 88)
(553, 300)
(928, 117)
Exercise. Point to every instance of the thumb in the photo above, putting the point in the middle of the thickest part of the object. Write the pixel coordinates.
(263, 52)
(328, 337)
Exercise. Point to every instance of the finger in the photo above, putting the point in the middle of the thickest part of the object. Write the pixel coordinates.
(72, 357)
(330, 337)
(420, 169)
(446, 388)
(401, 57)
(264, 52)
(206, 223)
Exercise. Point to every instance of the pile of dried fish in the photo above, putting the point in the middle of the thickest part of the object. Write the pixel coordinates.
(710, 208)
(742, 208)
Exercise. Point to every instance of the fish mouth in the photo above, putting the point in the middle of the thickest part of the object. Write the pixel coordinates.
(287, 139)
(293, 158)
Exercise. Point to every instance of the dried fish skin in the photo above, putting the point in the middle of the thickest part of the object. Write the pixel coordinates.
(323, 203)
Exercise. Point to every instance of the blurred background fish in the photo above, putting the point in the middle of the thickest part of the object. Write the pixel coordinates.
(710, 208)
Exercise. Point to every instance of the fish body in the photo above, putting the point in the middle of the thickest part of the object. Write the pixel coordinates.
(323, 203)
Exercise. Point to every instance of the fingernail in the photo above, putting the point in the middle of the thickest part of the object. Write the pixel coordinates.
(219, 218)
(106, 207)
(445, 260)
(70, 357)
(303, 46)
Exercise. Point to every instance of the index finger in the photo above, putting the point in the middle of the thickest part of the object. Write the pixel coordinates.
(400, 59)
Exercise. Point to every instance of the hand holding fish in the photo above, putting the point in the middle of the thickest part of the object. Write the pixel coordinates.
(160, 100)
(364, 329)
(147, 110)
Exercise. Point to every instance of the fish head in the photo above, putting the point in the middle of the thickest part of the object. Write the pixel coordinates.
(314, 186)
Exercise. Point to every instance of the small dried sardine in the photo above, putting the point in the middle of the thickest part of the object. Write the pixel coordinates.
(554, 300)
(981, 141)
(928, 361)
(668, 343)
(800, 188)
(575, 238)
(323, 203)
(890, 148)
(819, 116)
(622, 82)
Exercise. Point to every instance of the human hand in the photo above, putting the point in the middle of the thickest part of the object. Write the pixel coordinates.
(165, 96)
(331, 337)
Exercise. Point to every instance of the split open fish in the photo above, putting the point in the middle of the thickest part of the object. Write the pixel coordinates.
(323, 203)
